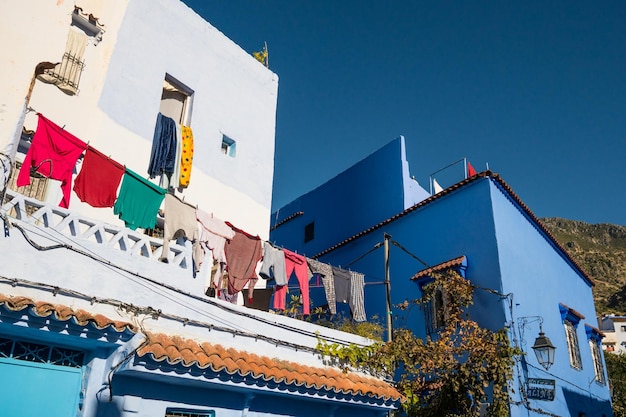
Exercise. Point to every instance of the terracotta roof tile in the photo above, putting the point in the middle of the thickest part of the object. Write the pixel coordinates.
(63, 313)
(572, 311)
(452, 263)
(451, 189)
(173, 349)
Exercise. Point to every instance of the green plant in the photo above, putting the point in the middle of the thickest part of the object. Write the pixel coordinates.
(616, 368)
(447, 375)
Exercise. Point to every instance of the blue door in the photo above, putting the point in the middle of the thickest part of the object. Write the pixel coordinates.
(39, 380)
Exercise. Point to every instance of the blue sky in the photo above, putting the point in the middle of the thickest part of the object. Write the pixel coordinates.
(534, 89)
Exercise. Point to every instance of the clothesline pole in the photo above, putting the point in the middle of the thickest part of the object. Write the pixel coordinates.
(388, 288)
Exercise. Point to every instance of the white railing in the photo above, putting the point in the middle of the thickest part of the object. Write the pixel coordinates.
(69, 223)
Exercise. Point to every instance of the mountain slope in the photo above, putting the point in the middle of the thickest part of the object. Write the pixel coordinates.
(600, 249)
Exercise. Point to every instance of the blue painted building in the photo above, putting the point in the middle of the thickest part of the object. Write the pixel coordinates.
(525, 280)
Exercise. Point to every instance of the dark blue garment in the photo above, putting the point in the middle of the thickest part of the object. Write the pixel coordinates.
(163, 155)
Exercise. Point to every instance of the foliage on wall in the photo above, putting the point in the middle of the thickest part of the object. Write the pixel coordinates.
(456, 372)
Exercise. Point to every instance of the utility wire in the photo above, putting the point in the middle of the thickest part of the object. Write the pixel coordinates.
(376, 246)
(112, 266)
(405, 250)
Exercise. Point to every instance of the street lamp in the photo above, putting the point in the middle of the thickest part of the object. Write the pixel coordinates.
(544, 349)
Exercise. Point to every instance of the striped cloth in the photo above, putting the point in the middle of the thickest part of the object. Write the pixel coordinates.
(357, 297)
(326, 272)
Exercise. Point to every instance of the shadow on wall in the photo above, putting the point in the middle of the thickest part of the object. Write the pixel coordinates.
(586, 405)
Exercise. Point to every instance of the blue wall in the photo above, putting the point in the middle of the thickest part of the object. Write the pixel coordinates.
(455, 225)
(368, 192)
(506, 251)
(152, 397)
(452, 225)
(540, 278)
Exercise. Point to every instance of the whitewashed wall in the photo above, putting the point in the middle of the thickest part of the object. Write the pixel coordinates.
(116, 108)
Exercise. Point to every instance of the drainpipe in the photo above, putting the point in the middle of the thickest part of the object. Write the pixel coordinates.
(388, 288)
(7, 155)
(246, 405)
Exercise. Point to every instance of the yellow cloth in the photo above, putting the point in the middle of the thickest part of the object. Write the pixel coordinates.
(186, 156)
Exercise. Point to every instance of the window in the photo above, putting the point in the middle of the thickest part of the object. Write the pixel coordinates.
(436, 308)
(66, 74)
(595, 345)
(309, 232)
(598, 365)
(37, 188)
(170, 138)
(571, 318)
(435, 312)
(188, 413)
(35, 352)
(229, 146)
(624, 328)
(572, 344)
(176, 101)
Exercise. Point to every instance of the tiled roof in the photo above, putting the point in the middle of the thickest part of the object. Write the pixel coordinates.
(63, 313)
(453, 188)
(452, 263)
(189, 353)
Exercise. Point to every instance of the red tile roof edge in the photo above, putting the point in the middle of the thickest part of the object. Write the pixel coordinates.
(440, 267)
(578, 314)
(596, 330)
(64, 313)
(461, 184)
(176, 350)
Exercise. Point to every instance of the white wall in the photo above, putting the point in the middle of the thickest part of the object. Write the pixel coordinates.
(116, 108)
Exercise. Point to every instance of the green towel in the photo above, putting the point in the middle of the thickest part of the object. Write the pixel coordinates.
(138, 201)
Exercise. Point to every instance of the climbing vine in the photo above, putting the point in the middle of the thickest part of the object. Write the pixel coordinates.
(460, 370)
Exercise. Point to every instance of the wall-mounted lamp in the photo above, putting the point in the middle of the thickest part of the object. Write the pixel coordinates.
(544, 349)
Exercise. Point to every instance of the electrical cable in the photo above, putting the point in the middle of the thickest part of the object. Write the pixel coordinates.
(376, 246)
(111, 265)
(410, 254)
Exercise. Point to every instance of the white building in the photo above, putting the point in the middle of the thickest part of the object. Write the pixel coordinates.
(91, 322)
(614, 329)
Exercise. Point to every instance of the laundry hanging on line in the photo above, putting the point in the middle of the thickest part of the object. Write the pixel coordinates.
(53, 153)
(139, 200)
(98, 180)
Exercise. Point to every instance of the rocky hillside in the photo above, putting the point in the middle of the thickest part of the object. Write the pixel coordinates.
(600, 249)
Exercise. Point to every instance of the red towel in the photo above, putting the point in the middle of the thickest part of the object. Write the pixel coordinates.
(98, 179)
(53, 152)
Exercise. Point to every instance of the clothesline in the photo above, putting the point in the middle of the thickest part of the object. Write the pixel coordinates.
(237, 251)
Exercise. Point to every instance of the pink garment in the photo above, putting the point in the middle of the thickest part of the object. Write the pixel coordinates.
(294, 263)
(243, 252)
(53, 153)
(214, 234)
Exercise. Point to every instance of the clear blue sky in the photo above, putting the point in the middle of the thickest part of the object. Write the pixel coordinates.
(535, 89)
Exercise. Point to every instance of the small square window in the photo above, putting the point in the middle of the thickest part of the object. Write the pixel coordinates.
(624, 328)
(309, 232)
(229, 146)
